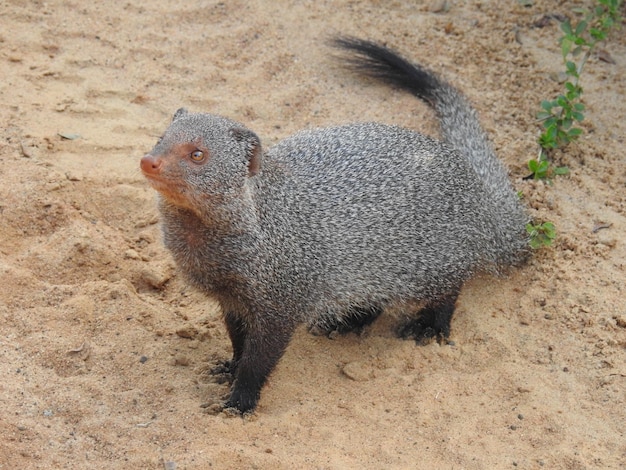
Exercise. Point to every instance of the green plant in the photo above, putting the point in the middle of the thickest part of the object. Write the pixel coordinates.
(541, 168)
(560, 116)
(541, 234)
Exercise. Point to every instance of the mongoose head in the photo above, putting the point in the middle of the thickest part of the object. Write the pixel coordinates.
(201, 160)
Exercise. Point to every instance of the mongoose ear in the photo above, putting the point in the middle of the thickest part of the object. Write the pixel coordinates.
(253, 148)
(180, 112)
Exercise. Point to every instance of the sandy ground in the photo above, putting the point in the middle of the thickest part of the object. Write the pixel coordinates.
(105, 351)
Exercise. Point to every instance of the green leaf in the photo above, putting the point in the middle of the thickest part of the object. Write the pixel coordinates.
(566, 46)
(539, 168)
(581, 41)
(574, 133)
(540, 234)
(549, 123)
(566, 27)
(562, 138)
(571, 95)
(570, 68)
(546, 142)
(561, 170)
(597, 34)
(578, 116)
(548, 229)
(543, 115)
(547, 105)
(580, 28)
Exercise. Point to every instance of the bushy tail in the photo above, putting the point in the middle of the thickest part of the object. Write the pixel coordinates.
(460, 127)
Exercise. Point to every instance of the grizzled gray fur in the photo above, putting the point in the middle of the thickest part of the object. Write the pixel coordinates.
(331, 226)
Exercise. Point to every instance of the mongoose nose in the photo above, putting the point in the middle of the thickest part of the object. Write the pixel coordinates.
(151, 165)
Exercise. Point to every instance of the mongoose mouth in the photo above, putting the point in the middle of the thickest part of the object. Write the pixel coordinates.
(172, 190)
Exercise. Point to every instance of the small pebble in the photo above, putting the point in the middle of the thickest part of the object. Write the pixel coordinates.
(28, 151)
(72, 176)
(607, 240)
(132, 254)
(155, 278)
(188, 332)
(440, 6)
(356, 371)
(181, 360)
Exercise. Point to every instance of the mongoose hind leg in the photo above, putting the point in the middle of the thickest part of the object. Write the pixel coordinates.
(433, 321)
(358, 318)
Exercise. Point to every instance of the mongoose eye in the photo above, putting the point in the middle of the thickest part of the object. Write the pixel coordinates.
(197, 156)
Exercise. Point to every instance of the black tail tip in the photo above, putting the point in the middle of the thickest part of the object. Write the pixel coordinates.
(377, 61)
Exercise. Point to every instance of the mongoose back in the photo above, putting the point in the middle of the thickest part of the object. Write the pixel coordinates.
(331, 226)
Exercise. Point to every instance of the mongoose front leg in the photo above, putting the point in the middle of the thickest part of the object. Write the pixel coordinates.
(225, 370)
(433, 321)
(237, 333)
(264, 344)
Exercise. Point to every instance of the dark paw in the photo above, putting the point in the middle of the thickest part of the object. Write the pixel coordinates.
(223, 372)
(421, 333)
(431, 322)
(241, 401)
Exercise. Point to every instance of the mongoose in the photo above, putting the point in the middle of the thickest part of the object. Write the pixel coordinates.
(331, 226)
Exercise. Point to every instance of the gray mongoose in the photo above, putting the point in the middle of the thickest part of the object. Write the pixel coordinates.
(331, 226)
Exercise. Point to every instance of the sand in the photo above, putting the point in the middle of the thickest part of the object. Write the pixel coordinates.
(105, 349)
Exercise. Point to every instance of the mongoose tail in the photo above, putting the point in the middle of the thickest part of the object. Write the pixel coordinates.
(460, 128)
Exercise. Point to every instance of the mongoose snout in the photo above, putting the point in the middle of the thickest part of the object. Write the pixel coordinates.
(151, 165)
